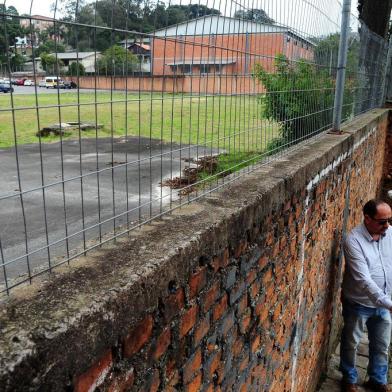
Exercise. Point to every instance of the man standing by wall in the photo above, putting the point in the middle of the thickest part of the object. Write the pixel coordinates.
(366, 293)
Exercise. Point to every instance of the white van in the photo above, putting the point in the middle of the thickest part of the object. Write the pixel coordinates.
(53, 82)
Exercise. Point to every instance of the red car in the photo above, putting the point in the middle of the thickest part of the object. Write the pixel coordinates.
(20, 82)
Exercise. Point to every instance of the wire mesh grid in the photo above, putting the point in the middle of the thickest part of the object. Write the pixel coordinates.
(121, 111)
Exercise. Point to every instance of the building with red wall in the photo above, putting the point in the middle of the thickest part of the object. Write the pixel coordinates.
(217, 44)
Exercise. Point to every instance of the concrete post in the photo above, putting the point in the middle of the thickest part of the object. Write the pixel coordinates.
(342, 61)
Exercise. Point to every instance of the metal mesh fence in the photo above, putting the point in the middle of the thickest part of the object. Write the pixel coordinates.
(121, 111)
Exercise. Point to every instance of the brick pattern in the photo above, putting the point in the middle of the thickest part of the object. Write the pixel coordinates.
(213, 84)
(241, 51)
(387, 174)
(257, 315)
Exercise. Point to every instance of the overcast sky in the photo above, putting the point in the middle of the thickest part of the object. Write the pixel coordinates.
(307, 16)
(40, 7)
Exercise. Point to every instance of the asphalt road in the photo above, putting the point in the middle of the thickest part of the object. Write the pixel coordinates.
(42, 90)
(116, 189)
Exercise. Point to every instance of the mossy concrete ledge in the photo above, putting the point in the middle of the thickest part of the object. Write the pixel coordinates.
(53, 331)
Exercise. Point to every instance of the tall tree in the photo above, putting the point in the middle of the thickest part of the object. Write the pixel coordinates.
(255, 15)
(376, 15)
(131, 15)
(9, 29)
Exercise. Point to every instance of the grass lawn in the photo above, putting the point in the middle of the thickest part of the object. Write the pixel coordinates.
(233, 123)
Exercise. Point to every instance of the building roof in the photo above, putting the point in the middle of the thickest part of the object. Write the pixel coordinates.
(72, 55)
(219, 24)
(135, 40)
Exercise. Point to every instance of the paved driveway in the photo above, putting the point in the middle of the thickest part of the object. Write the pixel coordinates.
(101, 196)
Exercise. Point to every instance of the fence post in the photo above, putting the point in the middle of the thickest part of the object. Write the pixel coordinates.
(342, 61)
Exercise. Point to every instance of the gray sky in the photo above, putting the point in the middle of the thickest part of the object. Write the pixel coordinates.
(306, 16)
(40, 7)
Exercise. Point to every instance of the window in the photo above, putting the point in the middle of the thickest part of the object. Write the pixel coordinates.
(204, 68)
(185, 69)
(218, 68)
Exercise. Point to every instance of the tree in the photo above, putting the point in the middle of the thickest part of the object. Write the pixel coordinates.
(10, 29)
(50, 63)
(11, 26)
(376, 15)
(16, 62)
(327, 49)
(43, 36)
(117, 61)
(193, 11)
(254, 15)
(49, 46)
(76, 69)
(299, 97)
(68, 7)
(130, 15)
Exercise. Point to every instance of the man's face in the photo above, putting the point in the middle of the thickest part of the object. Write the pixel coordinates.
(378, 224)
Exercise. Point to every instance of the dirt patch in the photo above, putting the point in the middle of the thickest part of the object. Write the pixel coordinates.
(63, 128)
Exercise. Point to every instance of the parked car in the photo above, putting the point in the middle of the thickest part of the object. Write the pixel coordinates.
(20, 82)
(53, 82)
(42, 83)
(5, 88)
(69, 85)
(28, 82)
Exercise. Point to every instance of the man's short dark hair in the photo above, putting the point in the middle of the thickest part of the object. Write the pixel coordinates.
(370, 208)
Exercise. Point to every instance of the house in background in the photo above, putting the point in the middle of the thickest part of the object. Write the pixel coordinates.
(38, 22)
(142, 50)
(87, 59)
(23, 46)
(223, 45)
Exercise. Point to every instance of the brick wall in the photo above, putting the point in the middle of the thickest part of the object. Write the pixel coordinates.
(203, 84)
(239, 292)
(241, 51)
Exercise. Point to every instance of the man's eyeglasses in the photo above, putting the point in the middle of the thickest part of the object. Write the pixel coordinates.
(382, 222)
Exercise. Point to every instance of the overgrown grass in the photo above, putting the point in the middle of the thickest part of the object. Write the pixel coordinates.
(229, 163)
(231, 123)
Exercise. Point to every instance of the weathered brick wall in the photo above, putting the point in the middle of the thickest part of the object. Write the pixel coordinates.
(237, 293)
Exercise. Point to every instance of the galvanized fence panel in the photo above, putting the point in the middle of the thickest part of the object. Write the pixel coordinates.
(133, 109)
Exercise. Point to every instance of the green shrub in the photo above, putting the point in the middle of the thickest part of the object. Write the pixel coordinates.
(299, 96)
